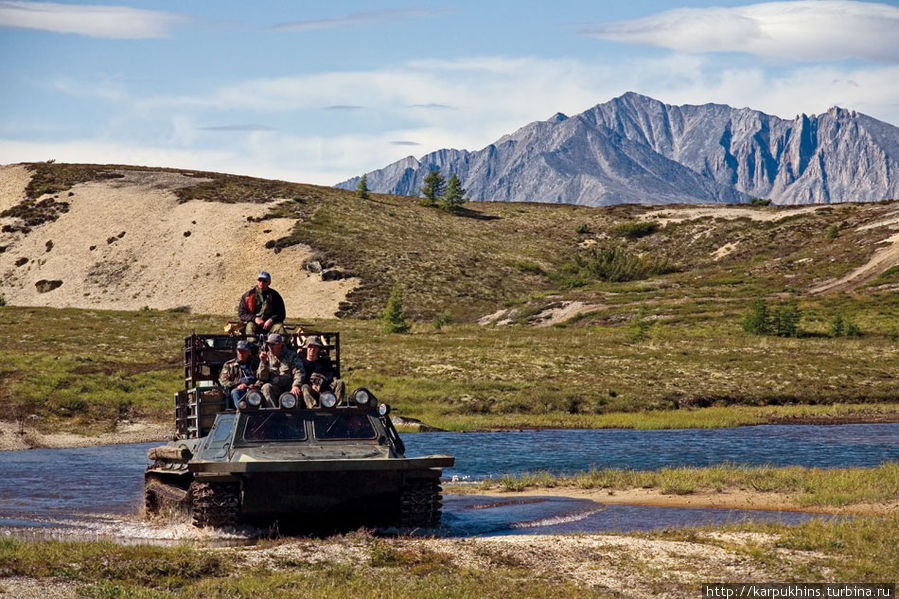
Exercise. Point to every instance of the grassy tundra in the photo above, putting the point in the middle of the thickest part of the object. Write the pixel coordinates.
(87, 370)
(660, 343)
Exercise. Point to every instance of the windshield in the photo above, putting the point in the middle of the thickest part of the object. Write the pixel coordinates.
(274, 426)
(342, 426)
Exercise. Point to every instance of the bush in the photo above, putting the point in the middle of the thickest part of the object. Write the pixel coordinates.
(833, 232)
(614, 265)
(2, 300)
(393, 319)
(442, 320)
(583, 229)
(760, 201)
(639, 328)
(529, 267)
(635, 229)
(842, 326)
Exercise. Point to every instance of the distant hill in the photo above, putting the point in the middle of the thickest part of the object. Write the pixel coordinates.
(634, 149)
(126, 237)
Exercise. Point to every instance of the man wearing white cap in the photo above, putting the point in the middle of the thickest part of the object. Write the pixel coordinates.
(261, 309)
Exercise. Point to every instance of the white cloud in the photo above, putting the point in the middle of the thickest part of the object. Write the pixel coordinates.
(491, 96)
(805, 30)
(117, 22)
(359, 18)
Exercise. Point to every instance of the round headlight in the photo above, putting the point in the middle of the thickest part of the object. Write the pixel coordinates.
(254, 398)
(328, 399)
(288, 400)
(383, 409)
(361, 396)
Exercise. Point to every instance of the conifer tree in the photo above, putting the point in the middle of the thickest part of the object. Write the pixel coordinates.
(434, 186)
(454, 196)
(393, 319)
(362, 187)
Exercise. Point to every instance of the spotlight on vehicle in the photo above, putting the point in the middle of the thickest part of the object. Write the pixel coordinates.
(253, 398)
(288, 400)
(383, 409)
(327, 399)
(363, 396)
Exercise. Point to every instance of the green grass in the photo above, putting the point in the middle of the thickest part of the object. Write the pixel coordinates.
(105, 570)
(804, 486)
(665, 351)
(86, 369)
(856, 548)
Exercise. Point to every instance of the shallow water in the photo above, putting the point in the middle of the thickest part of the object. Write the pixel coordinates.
(480, 455)
(96, 492)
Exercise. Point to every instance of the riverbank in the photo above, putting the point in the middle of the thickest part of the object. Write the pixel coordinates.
(844, 491)
(144, 431)
(731, 499)
(126, 432)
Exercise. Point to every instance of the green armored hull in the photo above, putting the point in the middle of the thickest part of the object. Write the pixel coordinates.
(342, 464)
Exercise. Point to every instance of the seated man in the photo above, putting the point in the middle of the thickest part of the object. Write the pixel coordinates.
(261, 309)
(239, 375)
(319, 373)
(280, 369)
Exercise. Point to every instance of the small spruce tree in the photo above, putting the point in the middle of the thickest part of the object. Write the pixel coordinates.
(454, 196)
(362, 187)
(785, 319)
(434, 187)
(757, 321)
(393, 319)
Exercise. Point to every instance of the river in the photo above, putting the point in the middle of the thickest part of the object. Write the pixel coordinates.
(97, 491)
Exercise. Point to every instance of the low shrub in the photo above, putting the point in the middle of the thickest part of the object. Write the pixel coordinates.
(635, 229)
(613, 264)
(843, 326)
(442, 319)
(528, 266)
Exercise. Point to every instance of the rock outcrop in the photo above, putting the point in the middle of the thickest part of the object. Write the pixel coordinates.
(635, 149)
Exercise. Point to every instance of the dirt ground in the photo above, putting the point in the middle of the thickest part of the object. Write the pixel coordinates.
(128, 243)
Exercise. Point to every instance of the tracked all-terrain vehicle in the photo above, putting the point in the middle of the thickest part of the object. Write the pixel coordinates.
(341, 464)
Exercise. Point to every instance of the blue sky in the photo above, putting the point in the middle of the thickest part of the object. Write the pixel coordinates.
(318, 92)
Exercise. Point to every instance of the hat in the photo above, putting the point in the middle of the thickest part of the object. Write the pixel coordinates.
(274, 338)
(244, 345)
(313, 340)
(264, 275)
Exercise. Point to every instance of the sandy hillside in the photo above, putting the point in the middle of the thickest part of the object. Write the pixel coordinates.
(127, 243)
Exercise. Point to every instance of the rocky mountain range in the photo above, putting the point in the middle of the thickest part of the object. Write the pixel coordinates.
(634, 149)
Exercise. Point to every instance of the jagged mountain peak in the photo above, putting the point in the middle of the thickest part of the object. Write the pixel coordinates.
(634, 148)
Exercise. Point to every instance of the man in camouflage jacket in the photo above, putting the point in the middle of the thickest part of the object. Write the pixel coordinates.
(261, 309)
(239, 375)
(280, 369)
